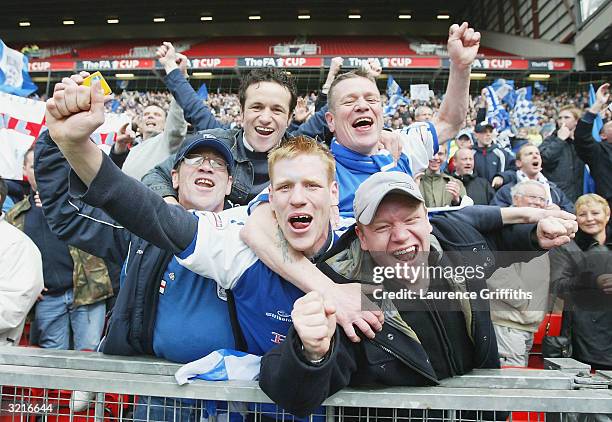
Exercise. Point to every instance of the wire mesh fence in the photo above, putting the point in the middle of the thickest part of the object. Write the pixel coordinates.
(66, 386)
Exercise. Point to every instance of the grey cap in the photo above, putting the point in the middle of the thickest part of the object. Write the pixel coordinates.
(371, 192)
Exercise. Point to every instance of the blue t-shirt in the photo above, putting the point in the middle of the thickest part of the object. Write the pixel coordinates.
(192, 316)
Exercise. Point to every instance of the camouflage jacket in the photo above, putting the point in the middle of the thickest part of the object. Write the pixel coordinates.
(90, 278)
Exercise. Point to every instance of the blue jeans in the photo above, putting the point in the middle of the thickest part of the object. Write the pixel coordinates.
(56, 320)
(167, 409)
(162, 409)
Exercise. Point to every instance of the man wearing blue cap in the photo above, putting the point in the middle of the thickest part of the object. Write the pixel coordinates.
(161, 307)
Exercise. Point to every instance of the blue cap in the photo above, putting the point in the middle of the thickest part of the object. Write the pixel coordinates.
(205, 140)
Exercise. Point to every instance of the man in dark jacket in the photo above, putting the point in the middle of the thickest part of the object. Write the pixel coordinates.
(441, 329)
(157, 295)
(267, 99)
(598, 155)
(529, 165)
(478, 188)
(490, 161)
(560, 162)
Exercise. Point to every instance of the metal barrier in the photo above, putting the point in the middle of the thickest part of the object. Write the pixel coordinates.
(32, 381)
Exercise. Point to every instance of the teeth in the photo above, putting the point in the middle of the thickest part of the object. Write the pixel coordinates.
(205, 182)
(265, 129)
(411, 249)
(301, 218)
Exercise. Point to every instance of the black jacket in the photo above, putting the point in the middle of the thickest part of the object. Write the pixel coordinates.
(130, 327)
(394, 357)
(477, 188)
(587, 310)
(561, 164)
(492, 161)
(598, 155)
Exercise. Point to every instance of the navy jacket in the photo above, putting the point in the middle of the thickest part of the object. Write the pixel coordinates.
(132, 322)
(492, 161)
(503, 197)
(393, 357)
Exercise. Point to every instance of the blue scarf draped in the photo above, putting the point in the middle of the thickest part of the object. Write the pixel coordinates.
(352, 168)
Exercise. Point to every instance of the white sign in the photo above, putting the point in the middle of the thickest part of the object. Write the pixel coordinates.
(419, 92)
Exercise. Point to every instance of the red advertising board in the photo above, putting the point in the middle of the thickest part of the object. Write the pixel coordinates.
(214, 62)
(122, 64)
(289, 62)
(53, 66)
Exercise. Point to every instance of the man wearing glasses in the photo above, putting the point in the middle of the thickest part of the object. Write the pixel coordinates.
(161, 307)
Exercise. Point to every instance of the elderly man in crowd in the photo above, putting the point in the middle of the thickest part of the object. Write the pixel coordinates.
(517, 318)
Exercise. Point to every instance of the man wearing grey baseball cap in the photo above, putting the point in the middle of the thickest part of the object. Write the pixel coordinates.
(424, 339)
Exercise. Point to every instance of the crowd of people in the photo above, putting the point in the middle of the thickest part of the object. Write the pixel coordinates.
(261, 229)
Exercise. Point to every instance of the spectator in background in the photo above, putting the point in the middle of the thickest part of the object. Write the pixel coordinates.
(560, 162)
(529, 165)
(161, 136)
(515, 319)
(490, 161)
(21, 277)
(72, 308)
(477, 188)
(581, 273)
(464, 139)
(440, 189)
(598, 155)
(423, 114)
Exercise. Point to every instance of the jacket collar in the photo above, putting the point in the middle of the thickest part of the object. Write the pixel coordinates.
(586, 241)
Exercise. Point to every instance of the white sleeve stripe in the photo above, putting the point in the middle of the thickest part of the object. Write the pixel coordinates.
(116, 226)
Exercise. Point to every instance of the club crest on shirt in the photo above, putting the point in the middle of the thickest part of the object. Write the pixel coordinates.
(221, 293)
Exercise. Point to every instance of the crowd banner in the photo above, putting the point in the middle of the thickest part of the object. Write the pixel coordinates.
(23, 119)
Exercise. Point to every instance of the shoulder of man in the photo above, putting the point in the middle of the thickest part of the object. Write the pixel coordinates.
(18, 209)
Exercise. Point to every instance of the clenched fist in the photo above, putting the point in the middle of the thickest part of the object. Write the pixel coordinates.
(315, 322)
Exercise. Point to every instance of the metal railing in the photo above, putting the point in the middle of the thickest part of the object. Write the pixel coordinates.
(32, 377)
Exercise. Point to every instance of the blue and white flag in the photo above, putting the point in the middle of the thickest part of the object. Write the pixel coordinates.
(14, 77)
(496, 112)
(220, 365)
(525, 112)
(539, 87)
(504, 89)
(395, 96)
(203, 92)
(589, 184)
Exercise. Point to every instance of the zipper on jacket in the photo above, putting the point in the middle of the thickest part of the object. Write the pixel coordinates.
(403, 360)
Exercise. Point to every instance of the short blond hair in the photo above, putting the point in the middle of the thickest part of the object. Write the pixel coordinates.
(592, 198)
(572, 109)
(302, 145)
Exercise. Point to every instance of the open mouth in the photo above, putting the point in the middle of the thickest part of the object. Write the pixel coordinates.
(205, 182)
(363, 123)
(408, 254)
(264, 131)
(300, 221)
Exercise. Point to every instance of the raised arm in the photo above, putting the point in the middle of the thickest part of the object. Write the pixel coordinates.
(463, 43)
(194, 110)
(584, 143)
(72, 115)
(80, 225)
